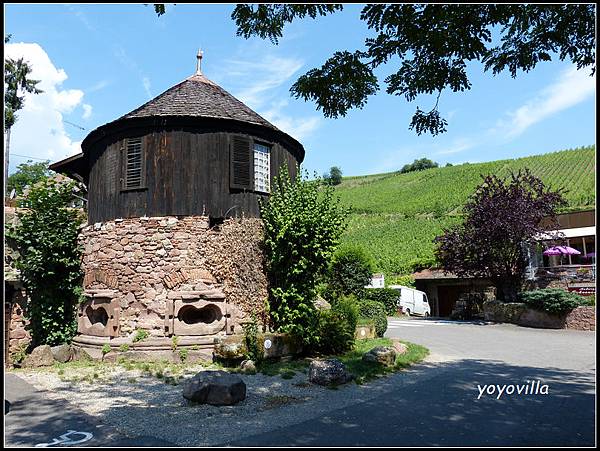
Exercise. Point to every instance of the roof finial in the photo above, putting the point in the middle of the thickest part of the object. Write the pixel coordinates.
(199, 62)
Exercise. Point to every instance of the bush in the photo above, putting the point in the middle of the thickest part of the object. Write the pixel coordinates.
(303, 223)
(337, 327)
(552, 300)
(140, 334)
(350, 270)
(375, 311)
(405, 280)
(49, 258)
(387, 296)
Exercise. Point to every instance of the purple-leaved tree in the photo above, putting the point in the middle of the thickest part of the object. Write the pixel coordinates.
(501, 220)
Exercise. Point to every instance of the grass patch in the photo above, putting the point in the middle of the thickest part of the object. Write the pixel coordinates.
(365, 371)
(286, 370)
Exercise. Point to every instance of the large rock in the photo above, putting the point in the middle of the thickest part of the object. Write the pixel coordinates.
(322, 304)
(328, 372)
(248, 367)
(62, 353)
(385, 355)
(81, 354)
(230, 348)
(40, 356)
(400, 348)
(217, 388)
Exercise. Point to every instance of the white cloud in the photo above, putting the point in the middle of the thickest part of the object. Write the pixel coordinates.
(87, 111)
(39, 131)
(255, 79)
(262, 83)
(146, 83)
(458, 145)
(572, 87)
(298, 127)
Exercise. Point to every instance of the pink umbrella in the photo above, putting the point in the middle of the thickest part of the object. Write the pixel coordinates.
(590, 255)
(561, 250)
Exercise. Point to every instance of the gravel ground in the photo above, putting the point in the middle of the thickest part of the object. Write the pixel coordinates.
(139, 404)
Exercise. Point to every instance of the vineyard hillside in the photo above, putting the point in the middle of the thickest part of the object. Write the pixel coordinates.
(396, 216)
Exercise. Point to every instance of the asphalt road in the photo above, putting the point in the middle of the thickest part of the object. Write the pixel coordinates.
(442, 406)
(444, 401)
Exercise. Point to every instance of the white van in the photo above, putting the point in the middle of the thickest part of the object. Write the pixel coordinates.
(412, 302)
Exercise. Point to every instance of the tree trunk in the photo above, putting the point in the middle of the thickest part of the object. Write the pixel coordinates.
(6, 154)
(507, 290)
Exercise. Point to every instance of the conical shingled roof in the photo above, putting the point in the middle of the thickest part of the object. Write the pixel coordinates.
(197, 96)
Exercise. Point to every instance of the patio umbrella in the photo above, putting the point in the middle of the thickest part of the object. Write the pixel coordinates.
(561, 250)
(590, 255)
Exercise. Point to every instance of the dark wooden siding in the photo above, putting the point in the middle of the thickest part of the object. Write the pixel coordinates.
(187, 173)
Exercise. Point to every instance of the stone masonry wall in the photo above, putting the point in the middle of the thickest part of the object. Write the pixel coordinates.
(146, 261)
(582, 318)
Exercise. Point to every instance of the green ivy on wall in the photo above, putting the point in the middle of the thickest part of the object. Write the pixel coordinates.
(49, 258)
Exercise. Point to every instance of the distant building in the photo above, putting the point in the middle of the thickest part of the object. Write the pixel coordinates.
(571, 272)
(377, 281)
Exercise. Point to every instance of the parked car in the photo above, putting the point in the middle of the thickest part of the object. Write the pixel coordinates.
(412, 302)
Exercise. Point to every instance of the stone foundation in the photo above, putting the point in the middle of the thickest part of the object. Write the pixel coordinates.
(582, 318)
(171, 276)
(19, 336)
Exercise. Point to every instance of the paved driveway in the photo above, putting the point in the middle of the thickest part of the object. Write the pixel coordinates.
(437, 403)
(444, 401)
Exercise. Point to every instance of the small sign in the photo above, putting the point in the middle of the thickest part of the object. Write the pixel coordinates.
(268, 344)
(583, 291)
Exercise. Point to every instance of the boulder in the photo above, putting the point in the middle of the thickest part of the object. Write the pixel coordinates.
(400, 348)
(328, 372)
(62, 353)
(322, 304)
(230, 348)
(40, 356)
(248, 367)
(218, 388)
(81, 354)
(385, 355)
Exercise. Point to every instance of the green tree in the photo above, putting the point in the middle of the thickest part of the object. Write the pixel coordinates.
(28, 174)
(16, 84)
(430, 46)
(303, 223)
(350, 271)
(419, 165)
(49, 258)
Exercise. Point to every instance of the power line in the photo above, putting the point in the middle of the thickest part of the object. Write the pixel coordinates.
(74, 125)
(27, 156)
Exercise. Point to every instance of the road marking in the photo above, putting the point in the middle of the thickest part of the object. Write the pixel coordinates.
(409, 323)
(65, 440)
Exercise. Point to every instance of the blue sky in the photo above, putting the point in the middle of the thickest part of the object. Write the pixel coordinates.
(98, 62)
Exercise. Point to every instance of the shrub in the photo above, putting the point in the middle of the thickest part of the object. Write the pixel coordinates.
(552, 300)
(405, 280)
(49, 258)
(350, 270)
(387, 296)
(124, 347)
(337, 327)
(374, 311)
(105, 349)
(140, 334)
(303, 224)
(183, 354)
(254, 348)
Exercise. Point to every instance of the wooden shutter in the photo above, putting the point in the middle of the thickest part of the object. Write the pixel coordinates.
(241, 173)
(134, 164)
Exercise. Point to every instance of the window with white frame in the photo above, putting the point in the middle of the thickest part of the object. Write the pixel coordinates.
(262, 168)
